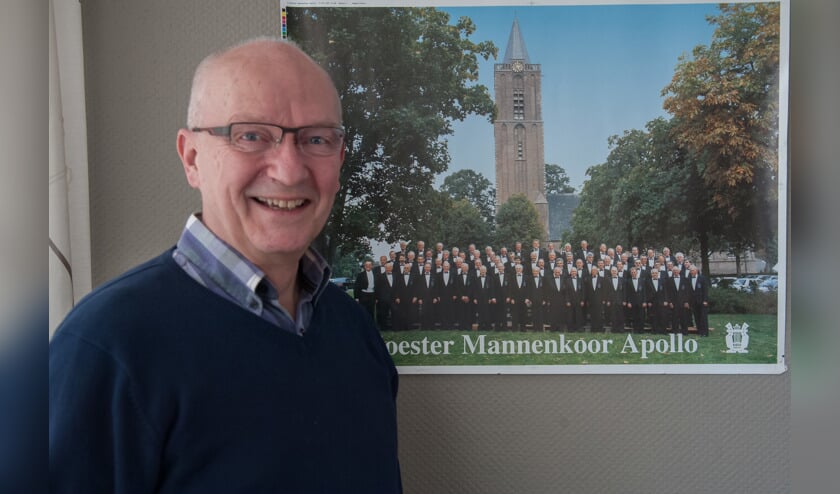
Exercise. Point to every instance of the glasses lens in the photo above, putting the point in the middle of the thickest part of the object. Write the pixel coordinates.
(313, 141)
(320, 141)
(252, 138)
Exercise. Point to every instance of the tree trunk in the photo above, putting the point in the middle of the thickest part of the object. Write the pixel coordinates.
(704, 252)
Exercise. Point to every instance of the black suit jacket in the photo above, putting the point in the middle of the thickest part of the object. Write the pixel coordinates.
(384, 291)
(483, 294)
(637, 297)
(680, 296)
(517, 292)
(614, 295)
(551, 293)
(362, 282)
(594, 296)
(700, 292)
(423, 291)
(573, 296)
(657, 296)
(446, 290)
(402, 290)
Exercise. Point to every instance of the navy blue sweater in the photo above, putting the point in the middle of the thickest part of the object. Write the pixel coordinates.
(158, 385)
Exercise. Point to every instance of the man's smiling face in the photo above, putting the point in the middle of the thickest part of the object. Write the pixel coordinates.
(267, 205)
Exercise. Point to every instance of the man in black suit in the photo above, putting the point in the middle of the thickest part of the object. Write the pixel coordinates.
(403, 315)
(657, 300)
(505, 259)
(594, 294)
(554, 299)
(439, 251)
(602, 253)
(516, 296)
(518, 252)
(615, 300)
(589, 264)
(634, 255)
(636, 300)
(535, 247)
(666, 255)
(549, 250)
(425, 298)
(583, 252)
(575, 301)
(463, 290)
(580, 270)
(699, 300)
(530, 263)
(383, 260)
(535, 299)
(680, 301)
(411, 260)
(484, 298)
(446, 295)
(500, 290)
(364, 288)
(651, 259)
(384, 291)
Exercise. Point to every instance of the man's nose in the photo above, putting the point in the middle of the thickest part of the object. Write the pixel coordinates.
(285, 162)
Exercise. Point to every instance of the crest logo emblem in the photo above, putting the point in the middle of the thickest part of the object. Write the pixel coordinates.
(737, 338)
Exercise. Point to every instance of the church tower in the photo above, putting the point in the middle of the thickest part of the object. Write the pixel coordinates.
(518, 130)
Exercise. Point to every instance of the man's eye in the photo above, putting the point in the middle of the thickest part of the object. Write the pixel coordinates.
(317, 140)
(252, 137)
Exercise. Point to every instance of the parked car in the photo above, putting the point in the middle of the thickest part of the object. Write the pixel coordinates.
(769, 285)
(745, 285)
(723, 281)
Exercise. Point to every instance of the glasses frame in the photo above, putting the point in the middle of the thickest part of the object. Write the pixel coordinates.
(225, 131)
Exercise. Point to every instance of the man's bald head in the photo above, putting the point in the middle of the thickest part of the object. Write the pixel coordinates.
(224, 65)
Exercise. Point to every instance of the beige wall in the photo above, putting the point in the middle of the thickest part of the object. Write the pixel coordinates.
(460, 434)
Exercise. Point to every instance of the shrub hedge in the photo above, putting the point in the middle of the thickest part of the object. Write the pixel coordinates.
(729, 301)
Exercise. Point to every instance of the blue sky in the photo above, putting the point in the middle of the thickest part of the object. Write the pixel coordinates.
(603, 68)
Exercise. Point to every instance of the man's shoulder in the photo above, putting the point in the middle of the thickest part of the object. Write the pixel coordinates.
(126, 299)
(145, 276)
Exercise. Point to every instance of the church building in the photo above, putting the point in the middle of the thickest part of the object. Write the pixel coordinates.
(518, 129)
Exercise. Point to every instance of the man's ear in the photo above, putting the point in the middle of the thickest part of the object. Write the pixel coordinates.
(187, 152)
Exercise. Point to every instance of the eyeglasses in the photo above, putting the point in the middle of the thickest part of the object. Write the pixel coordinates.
(252, 137)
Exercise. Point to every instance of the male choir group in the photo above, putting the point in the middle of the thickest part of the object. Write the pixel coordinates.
(538, 288)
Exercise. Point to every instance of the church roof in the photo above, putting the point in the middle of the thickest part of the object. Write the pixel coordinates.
(516, 45)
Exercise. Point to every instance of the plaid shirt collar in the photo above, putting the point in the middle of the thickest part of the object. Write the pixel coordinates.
(224, 271)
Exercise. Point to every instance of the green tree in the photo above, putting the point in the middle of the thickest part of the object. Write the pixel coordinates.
(556, 180)
(454, 222)
(474, 188)
(518, 220)
(648, 193)
(464, 225)
(724, 102)
(706, 178)
(404, 75)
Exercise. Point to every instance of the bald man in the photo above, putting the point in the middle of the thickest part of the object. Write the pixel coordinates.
(229, 362)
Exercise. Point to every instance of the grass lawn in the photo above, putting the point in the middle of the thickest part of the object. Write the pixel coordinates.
(442, 347)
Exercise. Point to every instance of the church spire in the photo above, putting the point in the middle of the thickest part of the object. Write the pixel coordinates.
(516, 45)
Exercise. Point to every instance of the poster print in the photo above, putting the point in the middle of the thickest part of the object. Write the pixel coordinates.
(561, 187)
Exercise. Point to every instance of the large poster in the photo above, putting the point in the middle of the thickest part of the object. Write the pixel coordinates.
(561, 187)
